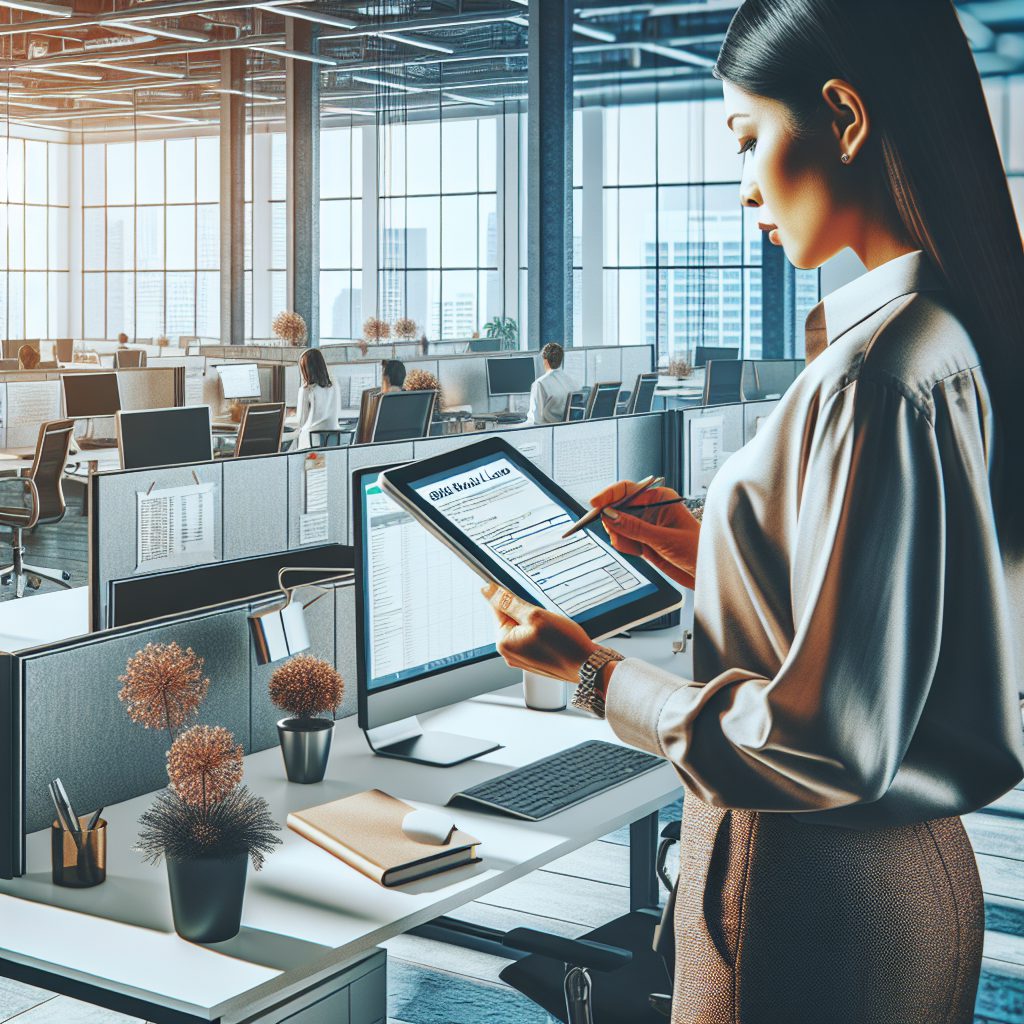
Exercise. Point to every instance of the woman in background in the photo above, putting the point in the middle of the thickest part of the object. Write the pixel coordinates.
(319, 401)
(858, 640)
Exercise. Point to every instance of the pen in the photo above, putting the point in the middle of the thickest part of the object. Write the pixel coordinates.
(653, 504)
(64, 814)
(594, 513)
(94, 820)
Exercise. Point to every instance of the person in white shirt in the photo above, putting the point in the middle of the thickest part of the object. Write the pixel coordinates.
(550, 391)
(319, 403)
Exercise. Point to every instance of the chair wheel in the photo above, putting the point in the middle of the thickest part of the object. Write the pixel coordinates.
(34, 582)
(6, 579)
(65, 576)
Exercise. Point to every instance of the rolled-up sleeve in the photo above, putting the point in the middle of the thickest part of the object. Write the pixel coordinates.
(866, 588)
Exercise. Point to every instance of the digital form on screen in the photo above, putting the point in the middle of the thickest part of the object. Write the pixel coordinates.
(424, 609)
(520, 525)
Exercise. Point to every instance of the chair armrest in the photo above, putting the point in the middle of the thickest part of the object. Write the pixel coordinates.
(578, 952)
(671, 831)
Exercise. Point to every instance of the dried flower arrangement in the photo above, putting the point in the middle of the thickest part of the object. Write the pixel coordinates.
(163, 687)
(405, 328)
(306, 686)
(163, 341)
(289, 327)
(680, 367)
(375, 329)
(424, 380)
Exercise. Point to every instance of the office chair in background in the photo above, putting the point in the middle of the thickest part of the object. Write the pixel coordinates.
(261, 428)
(603, 400)
(63, 349)
(404, 415)
(722, 378)
(641, 398)
(703, 353)
(575, 406)
(367, 415)
(129, 359)
(44, 485)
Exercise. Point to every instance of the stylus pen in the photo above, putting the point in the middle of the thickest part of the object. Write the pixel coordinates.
(653, 504)
(594, 513)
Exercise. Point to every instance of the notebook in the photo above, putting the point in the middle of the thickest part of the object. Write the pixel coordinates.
(365, 831)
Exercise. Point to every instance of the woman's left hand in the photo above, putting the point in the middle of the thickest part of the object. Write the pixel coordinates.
(537, 640)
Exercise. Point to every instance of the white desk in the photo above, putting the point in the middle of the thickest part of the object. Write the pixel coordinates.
(308, 917)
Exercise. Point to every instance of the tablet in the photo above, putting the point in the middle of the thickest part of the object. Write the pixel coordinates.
(505, 518)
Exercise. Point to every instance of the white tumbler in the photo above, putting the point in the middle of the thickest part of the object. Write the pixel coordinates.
(542, 693)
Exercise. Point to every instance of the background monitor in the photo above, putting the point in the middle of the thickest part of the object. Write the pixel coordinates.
(425, 637)
(702, 353)
(164, 437)
(511, 376)
(91, 395)
(403, 415)
(239, 380)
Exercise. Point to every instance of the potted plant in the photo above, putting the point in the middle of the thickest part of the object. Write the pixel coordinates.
(405, 328)
(503, 328)
(680, 368)
(289, 327)
(306, 688)
(205, 825)
(423, 380)
(375, 330)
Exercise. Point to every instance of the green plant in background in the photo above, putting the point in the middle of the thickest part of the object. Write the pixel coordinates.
(504, 328)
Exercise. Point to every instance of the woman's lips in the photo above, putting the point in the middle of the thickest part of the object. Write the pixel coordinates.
(773, 232)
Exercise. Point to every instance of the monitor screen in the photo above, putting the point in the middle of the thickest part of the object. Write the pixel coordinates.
(239, 380)
(164, 437)
(402, 415)
(422, 609)
(511, 376)
(91, 394)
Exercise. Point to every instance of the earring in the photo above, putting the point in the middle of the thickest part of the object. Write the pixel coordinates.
(845, 158)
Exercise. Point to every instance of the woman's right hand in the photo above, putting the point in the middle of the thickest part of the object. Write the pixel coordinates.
(667, 537)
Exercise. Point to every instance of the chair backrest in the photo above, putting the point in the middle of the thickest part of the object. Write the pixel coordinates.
(11, 346)
(603, 399)
(63, 349)
(129, 359)
(47, 470)
(703, 353)
(367, 415)
(575, 406)
(404, 415)
(642, 398)
(260, 430)
(722, 379)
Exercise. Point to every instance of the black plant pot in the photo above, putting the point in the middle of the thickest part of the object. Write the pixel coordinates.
(207, 895)
(305, 746)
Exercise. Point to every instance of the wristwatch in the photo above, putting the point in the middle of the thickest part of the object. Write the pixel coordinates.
(586, 697)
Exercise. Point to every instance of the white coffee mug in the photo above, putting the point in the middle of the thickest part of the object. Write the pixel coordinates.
(542, 693)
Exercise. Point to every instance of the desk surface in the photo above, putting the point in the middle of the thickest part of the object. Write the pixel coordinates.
(306, 912)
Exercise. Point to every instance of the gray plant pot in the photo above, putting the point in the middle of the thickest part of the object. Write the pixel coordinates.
(207, 895)
(305, 745)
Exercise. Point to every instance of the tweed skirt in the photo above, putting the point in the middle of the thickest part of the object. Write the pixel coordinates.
(782, 922)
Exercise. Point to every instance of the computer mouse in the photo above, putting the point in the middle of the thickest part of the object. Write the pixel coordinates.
(428, 827)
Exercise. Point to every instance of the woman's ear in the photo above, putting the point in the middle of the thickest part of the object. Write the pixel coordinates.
(850, 122)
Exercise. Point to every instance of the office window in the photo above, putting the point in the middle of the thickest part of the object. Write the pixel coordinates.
(34, 257)
(438, 226)
(341, 232)
(278, 223)
(1005, 95)
(151, 238)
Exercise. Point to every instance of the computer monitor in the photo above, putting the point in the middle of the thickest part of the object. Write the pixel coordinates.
(603, 400)
(425, 637)
(164, 437)
(513, 375)
(403, 415)
(702, 353)
(239, 380)
(89, 395)
(642, 398)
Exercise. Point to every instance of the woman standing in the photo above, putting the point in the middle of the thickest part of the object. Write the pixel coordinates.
(858, 644)
(319, 402)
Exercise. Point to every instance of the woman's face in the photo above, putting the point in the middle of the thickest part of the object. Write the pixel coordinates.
(792, 180)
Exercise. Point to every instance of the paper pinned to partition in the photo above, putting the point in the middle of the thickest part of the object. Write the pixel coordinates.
(29, 404)
(706, 452)
(195, 371)
(174, 527)
(314, 521)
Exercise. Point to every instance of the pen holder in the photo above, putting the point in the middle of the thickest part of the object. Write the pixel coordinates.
(79, 867)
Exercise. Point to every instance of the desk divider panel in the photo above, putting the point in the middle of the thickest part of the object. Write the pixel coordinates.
(149, 387)
(604, 364)
(754, 414)
(725, 421)
(255, 506)
(636, 360)
(337, 496)
(533, 442)
(641, 446)
(586, 457)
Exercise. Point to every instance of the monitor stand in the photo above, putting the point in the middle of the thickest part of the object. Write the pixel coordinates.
(407, 741)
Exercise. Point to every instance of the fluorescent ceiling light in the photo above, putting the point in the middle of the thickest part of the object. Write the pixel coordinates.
(520, 19)
(86, 98)
(423, 44)
(469, 99)
(347, 110)
(177, 119)
(386, 84)
(675, 53)
(38, 7)
(84, 76)
(185, 35)
(141, 69)
(312, 58)
(591, 31)
(14, 102)
(305, 14)
(247, 95)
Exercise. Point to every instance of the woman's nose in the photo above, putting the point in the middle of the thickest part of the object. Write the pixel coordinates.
(750, 195)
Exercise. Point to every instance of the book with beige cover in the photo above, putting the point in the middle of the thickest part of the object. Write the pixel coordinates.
(365, 831)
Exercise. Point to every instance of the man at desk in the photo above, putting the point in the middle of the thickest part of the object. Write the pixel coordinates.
(392, 375)
(122, 340)
(551, 390)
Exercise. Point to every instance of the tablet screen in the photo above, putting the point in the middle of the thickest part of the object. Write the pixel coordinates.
(517, 523)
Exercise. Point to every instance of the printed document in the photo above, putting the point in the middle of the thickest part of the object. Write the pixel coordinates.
(175, 527)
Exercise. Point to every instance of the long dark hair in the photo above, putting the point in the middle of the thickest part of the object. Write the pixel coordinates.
(934, 149)
(313, 368)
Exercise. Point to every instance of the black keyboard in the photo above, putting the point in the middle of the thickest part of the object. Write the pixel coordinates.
(552, 784)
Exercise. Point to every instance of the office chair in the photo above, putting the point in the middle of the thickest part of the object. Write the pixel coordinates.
(129, 359)
(12, 345)
(404, 415)
(367, 415)
(722, 379)
(44, 484)
(326, 438)
(603, 400)
(641, 399)
(260, 431)
(633, 958)
(575, 406)
(63, 349)
(703, 353)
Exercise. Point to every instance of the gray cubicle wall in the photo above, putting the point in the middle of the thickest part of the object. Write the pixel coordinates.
(258, 502)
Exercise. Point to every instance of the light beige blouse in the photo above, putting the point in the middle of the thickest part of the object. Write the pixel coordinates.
(858, 639)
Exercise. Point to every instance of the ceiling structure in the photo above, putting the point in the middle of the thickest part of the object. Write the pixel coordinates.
(106, 65)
